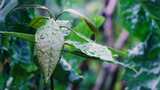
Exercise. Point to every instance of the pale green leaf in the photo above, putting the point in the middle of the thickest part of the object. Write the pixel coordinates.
(49, 42)
(94, 50)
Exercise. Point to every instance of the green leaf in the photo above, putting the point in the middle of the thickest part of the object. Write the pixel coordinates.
(147, 76)
(94, 50)
(28, 37)
(81, 28)
(24, 2)
(65, 73)
(87, 21)
(34, 6)
(38, 22)
(98, 51)
(147, 63)
(23, 71)
(153, 7)
(98, 20)
(134, 18)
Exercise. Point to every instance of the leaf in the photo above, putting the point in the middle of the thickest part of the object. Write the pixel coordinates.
(147, 63)
(23, 71)
(22, 2)
(19, 18)
(93, 50)
(147, 76)
(21, 51)
(88, 22)
(6, 7)
(99, 20)
(29, 6)
(38, 22)
(49, 43)
(28, 37)
(89, 45)
(153, 7)
(81, 28)
(65, 26)
(120, 53)
(65, 73)
(84, 29)
(135, 19)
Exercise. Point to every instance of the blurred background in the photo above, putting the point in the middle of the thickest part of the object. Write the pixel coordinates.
(131, 27)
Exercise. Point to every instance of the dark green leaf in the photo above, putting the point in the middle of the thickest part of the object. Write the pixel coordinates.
(28, 37)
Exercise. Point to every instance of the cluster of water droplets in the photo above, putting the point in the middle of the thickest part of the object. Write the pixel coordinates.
(49, 43)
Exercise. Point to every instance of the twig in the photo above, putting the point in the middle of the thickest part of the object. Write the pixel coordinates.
(52, 83)
(121, 40)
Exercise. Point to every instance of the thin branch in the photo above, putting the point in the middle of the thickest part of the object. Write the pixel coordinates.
(122, 39)
(52, 83)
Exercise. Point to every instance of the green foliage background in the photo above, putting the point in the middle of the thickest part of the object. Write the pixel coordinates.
(139, 17)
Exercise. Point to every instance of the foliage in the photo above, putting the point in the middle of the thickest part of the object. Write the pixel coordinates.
(40, 27)
(39, 45)
(141, 19)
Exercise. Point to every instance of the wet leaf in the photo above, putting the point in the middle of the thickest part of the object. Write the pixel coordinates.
(98, 51)
(94, 50)
(49, 42)
(65, 26)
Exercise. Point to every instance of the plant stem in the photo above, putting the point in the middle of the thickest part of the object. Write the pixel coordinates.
(52, 83)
